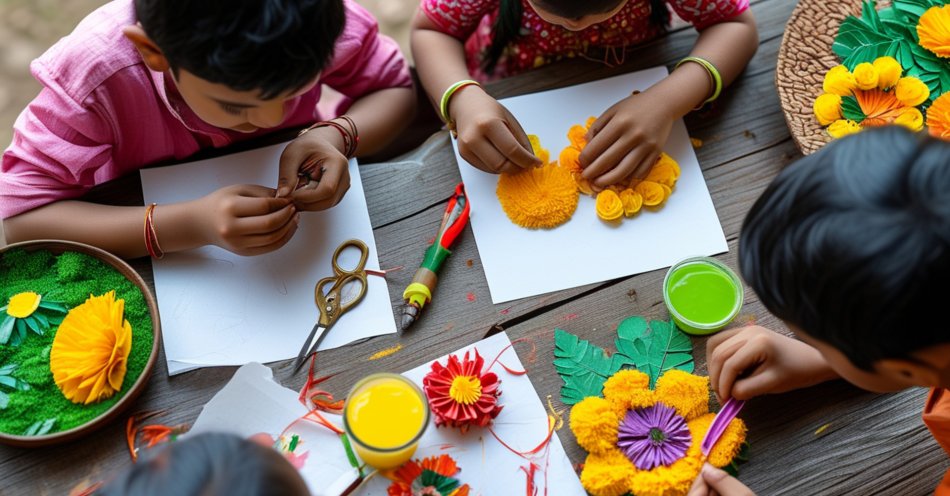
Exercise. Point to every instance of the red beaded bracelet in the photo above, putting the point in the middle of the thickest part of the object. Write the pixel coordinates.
(350, 136)
(151, 235)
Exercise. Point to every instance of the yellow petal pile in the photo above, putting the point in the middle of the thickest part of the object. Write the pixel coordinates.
(22, 305)
(594, 421)
(539, 198)
(91, 348)
(933, 30)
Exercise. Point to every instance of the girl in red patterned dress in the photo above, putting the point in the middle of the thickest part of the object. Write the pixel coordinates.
(454, 41)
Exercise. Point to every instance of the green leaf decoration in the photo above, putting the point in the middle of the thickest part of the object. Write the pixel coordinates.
(48, 314)
(867, 38)
(6, 328)
(742, 457)
(913, 9)
(53, 305)
(850, 109)
(40, 427)
(654, 349)
(582, 366)
(437, 481)
(8, 382)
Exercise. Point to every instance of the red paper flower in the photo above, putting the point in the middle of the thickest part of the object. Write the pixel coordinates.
(460, 394)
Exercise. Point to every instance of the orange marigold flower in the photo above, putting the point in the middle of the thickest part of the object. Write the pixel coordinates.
(570, 159)
(938, 117)
(608, 205)
(542, 197)
(577, 135)
(933, 30)
(653, 193)
(539, 152)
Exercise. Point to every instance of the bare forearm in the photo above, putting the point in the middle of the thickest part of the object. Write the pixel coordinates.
(440, 58)
(380, 116)
(119, 230)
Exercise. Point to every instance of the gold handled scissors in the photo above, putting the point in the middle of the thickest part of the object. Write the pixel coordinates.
(328, 295)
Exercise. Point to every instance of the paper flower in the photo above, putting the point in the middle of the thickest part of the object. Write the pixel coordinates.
(287, 445)
(865, 76)
(631, 201)
(90, 351)
(609, 206)
(938, 117)
(28, 310)
(839, 81)
(647, 442)
(933, 30)
(911, 91)
(827, 108)
(461, 394)
(539, 198)
(432, 476)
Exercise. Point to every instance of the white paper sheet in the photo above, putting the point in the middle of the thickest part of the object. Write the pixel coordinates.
(486, 465)
(521, 262)
(219, 308)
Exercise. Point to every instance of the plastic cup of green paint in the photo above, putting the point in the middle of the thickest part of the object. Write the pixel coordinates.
(702, 294)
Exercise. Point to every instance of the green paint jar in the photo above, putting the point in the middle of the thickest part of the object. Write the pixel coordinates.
(702, 294)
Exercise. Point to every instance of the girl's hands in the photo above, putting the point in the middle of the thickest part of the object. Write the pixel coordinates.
(715, 482)
(626, 140)
(753, 361)
(247, 219)
(489, 137)
(330, 178)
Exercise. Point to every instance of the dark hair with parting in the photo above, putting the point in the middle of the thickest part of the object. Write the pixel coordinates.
(275, 46)
(507, 26)
(211, 464)
(852, 244)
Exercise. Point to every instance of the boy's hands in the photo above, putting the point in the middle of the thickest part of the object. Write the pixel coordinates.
(247, 219)
(715, 482)
(489, 137)
(752, 361)
(331, 172)
(626, 140)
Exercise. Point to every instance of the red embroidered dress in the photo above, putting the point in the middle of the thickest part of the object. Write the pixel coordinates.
(541, 42)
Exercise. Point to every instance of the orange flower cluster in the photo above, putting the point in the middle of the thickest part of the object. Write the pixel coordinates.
(539, 198)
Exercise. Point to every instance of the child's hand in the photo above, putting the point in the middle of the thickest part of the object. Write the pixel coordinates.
(752, 361)
(247, 219)
(489, 137)
(713, 481)
(626, 140)
(330, 178)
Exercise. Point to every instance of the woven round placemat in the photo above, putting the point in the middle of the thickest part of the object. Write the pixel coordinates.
(803, 59)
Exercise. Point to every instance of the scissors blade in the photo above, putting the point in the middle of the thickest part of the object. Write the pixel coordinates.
(307, 348)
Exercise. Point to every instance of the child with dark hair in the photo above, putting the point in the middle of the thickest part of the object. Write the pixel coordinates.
(455, 40)
(146, 81)
(209, 464)
(850, 247)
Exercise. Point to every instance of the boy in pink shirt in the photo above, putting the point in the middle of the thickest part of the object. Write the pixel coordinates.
(145, 81)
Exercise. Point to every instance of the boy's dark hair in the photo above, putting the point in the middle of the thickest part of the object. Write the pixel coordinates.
(852, 244)
(507, 27)
(275, 46)
(211, 464)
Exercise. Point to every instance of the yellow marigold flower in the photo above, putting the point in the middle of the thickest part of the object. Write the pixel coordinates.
(827, 108)
(664, 172)
(22, 305)
(607, 474)
(594, 423)
(865, 76)
(91, 348)
(911, 118)
(539, 152)
(543, 197)
(889, 71)
(839, 80)
(628, 389)
(577, 135)
(688, 394)
(570, 159)
(667, 191)
(608, 205)
(728, 445)
(933, 30)
(583, 185)
(666, 481)
(653, 193)
(632, 201)
(911, 91)
(938, 117)
(843, 127)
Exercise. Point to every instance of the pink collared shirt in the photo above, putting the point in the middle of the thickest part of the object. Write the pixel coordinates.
(102, 113)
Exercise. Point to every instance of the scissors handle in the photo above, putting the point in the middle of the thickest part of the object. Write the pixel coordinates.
(364, 255)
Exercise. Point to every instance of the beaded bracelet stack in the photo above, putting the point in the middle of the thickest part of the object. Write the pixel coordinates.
(151, 236)
(714, 76)
(350, 134)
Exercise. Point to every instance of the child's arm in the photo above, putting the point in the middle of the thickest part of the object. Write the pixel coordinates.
(753, 361)
(629, 136)
(489, 137)
(244, 219)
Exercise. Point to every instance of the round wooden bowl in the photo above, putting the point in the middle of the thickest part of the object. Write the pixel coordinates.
(58, 247)
(803, 59)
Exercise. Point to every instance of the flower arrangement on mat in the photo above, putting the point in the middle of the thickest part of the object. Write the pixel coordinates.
(895, 69)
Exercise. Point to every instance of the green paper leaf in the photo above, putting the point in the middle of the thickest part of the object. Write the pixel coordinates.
(42, 321)
(741, 457)
(6, 328)
(654, 349)
(8, 369)
(869, 37)
(7, 380)
(582, 366)
(4, 400)
(32, 324)
(40, 427)
(441, 483)
(850, 109)
(54, 306)
(913, 9)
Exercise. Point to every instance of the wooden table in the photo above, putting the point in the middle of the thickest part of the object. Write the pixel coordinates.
(874, 444)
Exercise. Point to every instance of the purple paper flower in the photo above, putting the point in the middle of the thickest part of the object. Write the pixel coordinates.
(653, 436)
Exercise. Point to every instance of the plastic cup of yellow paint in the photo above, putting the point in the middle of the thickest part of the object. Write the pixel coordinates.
(384, 416)
(702, 294)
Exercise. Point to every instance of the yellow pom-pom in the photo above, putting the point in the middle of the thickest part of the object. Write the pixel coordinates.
(543, 197)
(594, 423)
(666, 481)
(685, 392)
(632, 202)
(933, 30)
(911, 91)
(839, 81)
(827, 108)
(91, 348)
(608, 205)
(729, 444)
(889, 71)
(865, 76)
(843, 127)
(653, 193)
(607, 474)
(539, 152)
